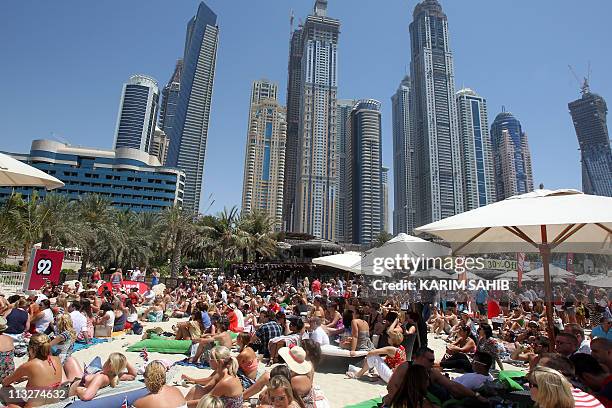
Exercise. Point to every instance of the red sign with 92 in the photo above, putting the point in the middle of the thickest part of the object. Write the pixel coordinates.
(44, 266)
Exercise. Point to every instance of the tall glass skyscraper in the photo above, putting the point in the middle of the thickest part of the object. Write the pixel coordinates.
(345, 106)
(476, 156)
(170, 95)
(317, 175)
(385, 198)
(364, 175)
(511, 157)
(264, 160)
(137, 113)
(589, 117)
(189, 131)
(438, 179)
(294, 84)
(404, 199)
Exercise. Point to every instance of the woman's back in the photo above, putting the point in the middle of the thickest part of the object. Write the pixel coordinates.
(167, 397)
(44, 373)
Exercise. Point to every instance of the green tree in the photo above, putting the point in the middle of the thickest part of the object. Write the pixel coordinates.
(177, 226)
(26, 223)
(255, 236)
(381, 238)
(224, 233)
(97, 229)
(60, 224)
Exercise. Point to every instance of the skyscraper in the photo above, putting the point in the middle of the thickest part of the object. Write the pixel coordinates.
(317, 175)
(589, 117)
(294, 83)
(345, 106)
(189, 131)
(160, 145)
(364, 175)
(476, 156)
(137, 113)
(511, 157)
(385, 199)
(264, 161)
(438, 180)
(170, 95)
(404, 182)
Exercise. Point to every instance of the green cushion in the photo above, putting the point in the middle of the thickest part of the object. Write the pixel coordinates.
(371, 403)
(506, 376)
(161, 345)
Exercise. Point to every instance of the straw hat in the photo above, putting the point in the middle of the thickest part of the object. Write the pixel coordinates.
(295, 358)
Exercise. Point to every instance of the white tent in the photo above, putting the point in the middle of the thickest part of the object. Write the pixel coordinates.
(555, 271)
(403, 247)
(343, 261)
(542, 221)
(14, 173)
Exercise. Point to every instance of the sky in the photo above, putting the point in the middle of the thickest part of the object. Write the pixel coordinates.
(63, 65)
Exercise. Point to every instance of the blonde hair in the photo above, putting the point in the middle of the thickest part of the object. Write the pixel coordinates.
(208, 401)
(62, 301)
(554, 391)
(116, 363)
(64, 324)
(155, 376)
(40, 346)
(223, 356)
(395, 338)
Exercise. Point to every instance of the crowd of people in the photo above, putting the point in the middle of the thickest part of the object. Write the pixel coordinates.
(264, 340)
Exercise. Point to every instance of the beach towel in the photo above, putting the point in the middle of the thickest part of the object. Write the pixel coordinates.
(157, 344)
(507, 377)
(371, 403)
(186, 363)
(82, 346)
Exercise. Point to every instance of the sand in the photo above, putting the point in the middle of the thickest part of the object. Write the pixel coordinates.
(339, 390)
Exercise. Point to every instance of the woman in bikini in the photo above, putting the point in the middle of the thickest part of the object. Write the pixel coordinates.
(116, 368)
(161, 395)
(42, 370)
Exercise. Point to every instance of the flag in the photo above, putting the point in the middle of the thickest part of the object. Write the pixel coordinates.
(520, 266)
(125, 403)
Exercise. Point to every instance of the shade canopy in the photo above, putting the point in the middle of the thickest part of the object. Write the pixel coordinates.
(555, 271)
(431, 274)
(605, 282)
(587, 278)
(513, 277)
(555, 279)
(576, 222)
(459, 276)
(14, 173)
(406, 247)
(343, 261)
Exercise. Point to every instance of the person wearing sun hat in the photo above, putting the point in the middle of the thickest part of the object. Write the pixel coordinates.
(7, 351)
(295, 358)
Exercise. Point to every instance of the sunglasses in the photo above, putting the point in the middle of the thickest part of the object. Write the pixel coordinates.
(279, 398)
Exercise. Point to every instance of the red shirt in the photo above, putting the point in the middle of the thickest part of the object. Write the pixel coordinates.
(275, 307)
(134, 298)
(233, 321)
(585, 400)
(316, 286)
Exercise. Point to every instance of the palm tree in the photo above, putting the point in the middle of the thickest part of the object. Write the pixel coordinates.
(381, 238)
(255, 235)
(177, 225)
(60, 223)
(224, 232)
(97, 226)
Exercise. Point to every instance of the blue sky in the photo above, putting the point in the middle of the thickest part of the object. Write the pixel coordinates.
(63, 64)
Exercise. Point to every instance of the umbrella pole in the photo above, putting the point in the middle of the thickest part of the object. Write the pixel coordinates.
(545, 253)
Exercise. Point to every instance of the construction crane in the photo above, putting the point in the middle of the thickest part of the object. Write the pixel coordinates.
(584, 84)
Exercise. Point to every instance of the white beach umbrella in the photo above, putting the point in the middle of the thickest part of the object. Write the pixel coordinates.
(406, 251)
(555, 271)
(431, 274)
(343, 261)
(460, 276)
(605, 282)
(554, 279)
(542, 221)
(513, 277)
(587, 278)
(14, 173)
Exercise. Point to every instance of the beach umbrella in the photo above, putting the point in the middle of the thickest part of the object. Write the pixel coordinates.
(407, 252)
(605, 282)
(513, 276)
(460, 276)
(553, 279)
(586, 277)
(431, 274)
(343, 261)
(14, 173)
(555, 271)
(542, 221)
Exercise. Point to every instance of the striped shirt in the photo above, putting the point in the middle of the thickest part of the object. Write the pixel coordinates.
(585, 400)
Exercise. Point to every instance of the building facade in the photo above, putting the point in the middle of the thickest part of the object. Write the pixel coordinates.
(364, 175)
(128, 178)
(385, 199)
(404, 181)
(170, 95)
(264, 161)
(317, 174)
(137, 113)
(160, 146)
(344, 108)
(589, 117)
(476, 154)
(511, 157)
(438, 178)
(189, 131)
(294, 83)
